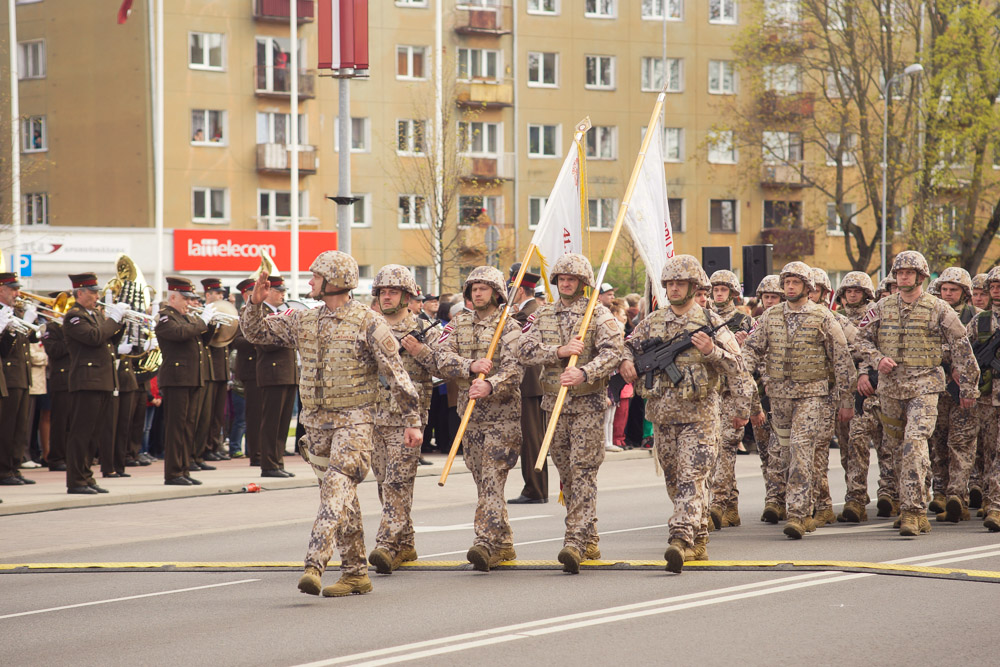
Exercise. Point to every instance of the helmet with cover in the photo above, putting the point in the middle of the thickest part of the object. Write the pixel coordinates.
(861, 281)
(486, 275)
(338, 270)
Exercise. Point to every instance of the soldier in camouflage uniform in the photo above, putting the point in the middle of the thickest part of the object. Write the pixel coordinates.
(345, 347)
(886, 287)
(953, 443)
(492, 439)
(769, 294)
(801, 346)
(395, 464)
(902, 335)
(727, 293)
(982, 301)
(980, 292)
(548, 339)
(684, 416)
(981, 329)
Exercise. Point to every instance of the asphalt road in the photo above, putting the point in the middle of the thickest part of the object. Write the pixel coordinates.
(514, 617)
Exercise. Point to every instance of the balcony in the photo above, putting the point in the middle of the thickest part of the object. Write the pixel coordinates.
(277, 159)
(785, 107)
(488, 168)
(789, 176)
(276, 82)
(484, 94)
(272, 222)
(791, 243)
(280, 10)
(787, 39)
(483, 17)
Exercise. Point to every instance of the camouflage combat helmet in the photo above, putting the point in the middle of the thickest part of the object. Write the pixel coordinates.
(821, 280)
(395, 275)
(572, 264)
(858, 279)
(979, 281)
(705, 283)
(683, 267)
(910, 259)
(486, 275)
(729, 279)
(770, 284)
(935, 287)
(993, 276)
(339, 271)
(958, 276)
(799, 270)
(884, 285)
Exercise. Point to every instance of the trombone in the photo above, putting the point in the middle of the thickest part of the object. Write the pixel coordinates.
(220, 317)
(52, 309)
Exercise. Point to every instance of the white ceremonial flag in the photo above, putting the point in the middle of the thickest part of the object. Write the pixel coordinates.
(648, 218)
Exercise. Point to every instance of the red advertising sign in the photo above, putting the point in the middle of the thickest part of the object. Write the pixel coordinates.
(229, 250)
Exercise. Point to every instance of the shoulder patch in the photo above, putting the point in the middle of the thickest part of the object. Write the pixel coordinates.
(383, 336)
(528, 323)
(446, 332)
(74, 320)
(871, 316)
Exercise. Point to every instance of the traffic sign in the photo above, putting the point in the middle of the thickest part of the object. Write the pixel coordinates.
(23, 268)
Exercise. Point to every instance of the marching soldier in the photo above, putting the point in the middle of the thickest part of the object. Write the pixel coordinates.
(491, 439)
(980, 292)
(181, 379)
(684, 416)
(902, 335)
(277, 377)
(57, 384)
(395, 464)
(92, 380)
(886, 287)
(982, 301)
(345, 347)
(245, 371)
(981, 329)
(769, 294)
(550, 338)
(801, 346)
(215, 400)
(15, 421)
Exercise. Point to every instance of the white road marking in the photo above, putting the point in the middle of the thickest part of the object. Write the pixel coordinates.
(550, 539)
(530, 629)
(469, 526)
(130, 597)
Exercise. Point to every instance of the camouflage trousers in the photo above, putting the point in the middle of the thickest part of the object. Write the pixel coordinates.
(985, 442)
(767, 448)
(723, 485)
(686, 453)
(909, 424)
(865, 432)
(953, 448)
(821, 457)
(489, 456)
(578, 450)
(395, 468)
(855, 456)
(990, 454)
(798, 425)
(340, 457)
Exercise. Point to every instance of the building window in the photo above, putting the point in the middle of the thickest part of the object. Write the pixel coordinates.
(274, 208)
(35, 208)
(543, 69)
(781, 12)
(479, 138)
(786, 214)
(781, 147)
(411, 62)
(543, 140)
(536, 206)
(34, 138)
(673, 144)
(208, 127)
(675, 209)
(848, 157)
(783, 79)
(31, 59)
(362, 210)
(721, 77)
(722, 216)
(722, 11)
(274, 60)
(422, 276)
(411, 3)
(477, 209)
(599, 9)
(601, 72)
(654, 9)
(602, 214)
(721, 149)
(479, 64)
(209, 205)
(602, 142)
(550, 7)
(839, 83)
(206, 50)
(412, 210)
(651, 75)
(834, 222)
(410, 136)
(276, 128)
(360, 135)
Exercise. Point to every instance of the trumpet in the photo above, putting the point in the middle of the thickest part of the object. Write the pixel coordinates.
(220, 317)
(20, 326)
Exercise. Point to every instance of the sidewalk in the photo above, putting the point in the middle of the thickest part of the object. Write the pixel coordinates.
(146, 483)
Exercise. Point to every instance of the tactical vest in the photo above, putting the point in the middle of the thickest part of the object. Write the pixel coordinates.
(699, 378)
(915, 343)
(966, 314)
(984, 331)
(469, 346)
(422, 380)
(547, 323)
(801, 359)
(333, 377)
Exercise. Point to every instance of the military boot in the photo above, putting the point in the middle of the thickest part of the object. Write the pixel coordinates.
(503, 555)
(992, 521)
(700, 550)
(909, 524)
(824, 517)
(794, 528)
(381, 560)
(731, 517)
(479, 556)
(309, 582)
(937, 504)
(955, 510)
(809, 523)
(570, 559)
(349, 584)
(593, 552)
(854, 512)
(773, 513)
(886, 506)
(975, 497)
(717, 511)
(981, 513)
(922, 523)
(676, 554)
(404, 556)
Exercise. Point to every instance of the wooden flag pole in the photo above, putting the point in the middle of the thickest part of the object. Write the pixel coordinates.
(497, 335)
(592, 302)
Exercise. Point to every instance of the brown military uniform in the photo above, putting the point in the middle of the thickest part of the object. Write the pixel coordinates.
(15, 422)
(54, 342)
(536, 483)
(277, 377)
(219, 359)
(246, 372)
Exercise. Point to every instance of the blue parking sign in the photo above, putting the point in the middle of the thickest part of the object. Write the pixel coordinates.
(23, 267)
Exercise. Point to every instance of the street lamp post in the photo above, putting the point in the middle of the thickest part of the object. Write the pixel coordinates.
(913, 70)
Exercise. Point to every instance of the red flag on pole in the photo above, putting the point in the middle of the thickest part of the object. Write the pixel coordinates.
(124, 11)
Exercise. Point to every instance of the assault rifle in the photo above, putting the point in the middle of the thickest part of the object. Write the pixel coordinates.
(419, 333)
(986, 358)
(660, 355)
(859, 398)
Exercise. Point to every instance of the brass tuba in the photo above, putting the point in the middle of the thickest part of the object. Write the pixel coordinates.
(129, 287)
(266, 265)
